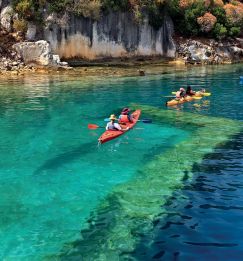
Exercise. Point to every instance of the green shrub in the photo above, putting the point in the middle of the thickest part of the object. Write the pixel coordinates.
(234, 31)
(24, 8)
(29, 9)
(87, 8)
(20, 25)
(173, 8)
(190, 19)
(115, 5)
(220, 14)
(58, 5)
(219, 31)
(156, 15)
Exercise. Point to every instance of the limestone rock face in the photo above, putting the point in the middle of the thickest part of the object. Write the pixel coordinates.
(6, 18)
(114, 35)
(38, 53)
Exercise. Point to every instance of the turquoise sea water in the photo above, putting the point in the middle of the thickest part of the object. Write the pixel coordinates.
(54, 175)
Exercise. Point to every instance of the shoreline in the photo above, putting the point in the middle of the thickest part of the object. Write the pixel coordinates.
(116, 67)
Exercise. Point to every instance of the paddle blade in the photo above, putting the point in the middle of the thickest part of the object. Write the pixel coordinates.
(107, 119)
(146, 121)
(93, 126)
(206, 93)
(197, 97)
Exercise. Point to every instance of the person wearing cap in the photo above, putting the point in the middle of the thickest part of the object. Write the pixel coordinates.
(189, 91)
(112, 125)
(202, 91)
(181, 93)
(125, 117)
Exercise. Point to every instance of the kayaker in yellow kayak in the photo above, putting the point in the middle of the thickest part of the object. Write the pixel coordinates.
(112, 125)
(201, 92)
(180, 94)
(125, 116)
(189, 91)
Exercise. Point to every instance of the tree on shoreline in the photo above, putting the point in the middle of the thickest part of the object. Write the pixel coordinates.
(208, 18)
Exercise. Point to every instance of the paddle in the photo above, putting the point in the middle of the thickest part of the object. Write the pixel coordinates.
(94, 126)
(203, 94)
(143, 120)
(194, 97)
(169, 96)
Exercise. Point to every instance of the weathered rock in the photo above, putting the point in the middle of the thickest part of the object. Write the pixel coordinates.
(6, 18)
(56, 59)
(213, 52)
(236, 50)
(34, 52)
(114, 35)
(31, 32)
(37, 53)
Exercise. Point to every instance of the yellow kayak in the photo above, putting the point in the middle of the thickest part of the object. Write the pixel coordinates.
(181, 100)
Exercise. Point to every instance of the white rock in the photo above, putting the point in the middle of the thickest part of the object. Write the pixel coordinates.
(6, 18)
(38, 53)
(34, 52)
(56, 58)
(63, 63)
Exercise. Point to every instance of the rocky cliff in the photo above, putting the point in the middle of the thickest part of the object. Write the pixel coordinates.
(114, 35)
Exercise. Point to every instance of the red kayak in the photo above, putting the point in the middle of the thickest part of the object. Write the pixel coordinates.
(112, 134)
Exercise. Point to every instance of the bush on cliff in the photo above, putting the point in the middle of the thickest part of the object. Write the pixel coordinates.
(219, 31)
(58, 5)
(191, 17)
(87, 8)
(20, 25)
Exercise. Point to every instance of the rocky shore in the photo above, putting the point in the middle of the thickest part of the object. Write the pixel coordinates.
(209, 51)
(18, 56)
(67, 39)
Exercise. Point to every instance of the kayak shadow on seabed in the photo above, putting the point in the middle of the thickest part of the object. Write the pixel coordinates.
(65, 158)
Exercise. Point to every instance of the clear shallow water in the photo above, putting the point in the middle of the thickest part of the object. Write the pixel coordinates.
(53, 175)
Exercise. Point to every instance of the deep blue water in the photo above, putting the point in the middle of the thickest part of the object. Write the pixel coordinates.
(53, 175)
(203, 220)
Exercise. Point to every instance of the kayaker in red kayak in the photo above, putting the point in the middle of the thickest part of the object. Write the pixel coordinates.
(112, 125)
(125, 116)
